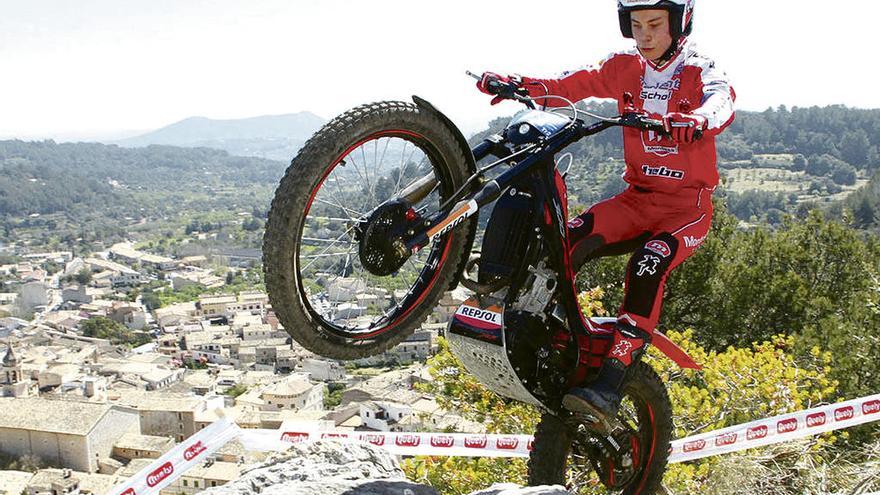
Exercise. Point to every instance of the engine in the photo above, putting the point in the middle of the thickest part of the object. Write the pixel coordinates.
(511, 269)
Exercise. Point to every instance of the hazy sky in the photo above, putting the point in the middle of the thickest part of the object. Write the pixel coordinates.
(97, 67)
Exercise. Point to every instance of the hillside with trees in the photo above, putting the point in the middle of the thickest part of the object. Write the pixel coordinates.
(779, 319)
(773, 162)
(864, 205)
(75, 194)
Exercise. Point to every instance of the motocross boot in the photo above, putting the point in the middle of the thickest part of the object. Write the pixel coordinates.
(601, 398)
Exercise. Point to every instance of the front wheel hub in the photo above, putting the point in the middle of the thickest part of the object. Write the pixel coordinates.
(381, 248)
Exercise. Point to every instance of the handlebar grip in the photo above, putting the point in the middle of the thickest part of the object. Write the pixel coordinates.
(495, 86)
(654, 125)
(657, 126)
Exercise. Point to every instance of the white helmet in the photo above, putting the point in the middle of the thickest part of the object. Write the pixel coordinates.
(681, 15)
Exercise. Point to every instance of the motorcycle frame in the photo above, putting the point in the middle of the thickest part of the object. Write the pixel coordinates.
(537, 161)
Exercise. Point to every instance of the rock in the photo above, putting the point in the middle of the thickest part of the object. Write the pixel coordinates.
(514, 489)
(328, 467)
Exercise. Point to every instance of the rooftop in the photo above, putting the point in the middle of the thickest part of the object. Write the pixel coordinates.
(14, 482)
(110, 265)
(288, 388)
(146, 401)
(133, 468)
(54, 416)
(127, 250)
(252, 296)
(217, 300)
(10, 359)
(218, 471)
(136, 441)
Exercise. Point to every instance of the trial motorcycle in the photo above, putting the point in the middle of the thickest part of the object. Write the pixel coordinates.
(377, 218)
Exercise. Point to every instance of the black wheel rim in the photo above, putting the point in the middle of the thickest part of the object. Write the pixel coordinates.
(337, 292)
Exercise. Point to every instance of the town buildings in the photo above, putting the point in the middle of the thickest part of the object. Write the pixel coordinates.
(98, 409)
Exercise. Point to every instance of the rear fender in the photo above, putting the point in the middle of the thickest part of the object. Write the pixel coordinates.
(673, 351)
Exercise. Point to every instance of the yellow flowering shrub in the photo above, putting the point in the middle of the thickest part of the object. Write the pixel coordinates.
(738, 385)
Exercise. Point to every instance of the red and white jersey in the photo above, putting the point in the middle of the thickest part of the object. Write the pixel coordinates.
(689, 83)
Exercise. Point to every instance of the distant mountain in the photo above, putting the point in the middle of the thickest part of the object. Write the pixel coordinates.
(277, 137)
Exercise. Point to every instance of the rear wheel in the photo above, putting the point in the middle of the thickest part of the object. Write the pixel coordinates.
(337, 295)
(565, 454)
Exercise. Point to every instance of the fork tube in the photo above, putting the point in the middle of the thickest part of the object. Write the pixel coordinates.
(419, 189)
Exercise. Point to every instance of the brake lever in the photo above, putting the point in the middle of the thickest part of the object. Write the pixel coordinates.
(522, 96)
(513, 92)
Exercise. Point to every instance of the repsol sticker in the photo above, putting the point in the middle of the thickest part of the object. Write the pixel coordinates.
(483, 318)
(450, 222)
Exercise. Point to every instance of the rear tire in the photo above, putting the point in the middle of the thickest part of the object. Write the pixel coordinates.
(297, 309)
(551, 462)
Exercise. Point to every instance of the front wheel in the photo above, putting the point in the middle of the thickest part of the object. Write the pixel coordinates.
(566, 455)
(321, 274)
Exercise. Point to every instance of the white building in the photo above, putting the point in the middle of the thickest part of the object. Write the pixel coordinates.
(70, 434)
(384, 416)
(323, 370)
(126, 252)
(207, 475)
(33, 294)
(294, 394)
(170, 415)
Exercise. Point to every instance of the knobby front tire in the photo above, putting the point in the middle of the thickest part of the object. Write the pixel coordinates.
(323, 296)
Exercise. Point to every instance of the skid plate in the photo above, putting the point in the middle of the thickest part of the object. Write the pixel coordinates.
(477, 338)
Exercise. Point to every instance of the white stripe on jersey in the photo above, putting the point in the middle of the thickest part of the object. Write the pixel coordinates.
(717, 104)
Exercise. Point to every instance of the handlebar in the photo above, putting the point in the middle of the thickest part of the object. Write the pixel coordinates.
(633, 119)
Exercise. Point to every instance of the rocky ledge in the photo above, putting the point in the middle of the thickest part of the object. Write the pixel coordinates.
(333, 468)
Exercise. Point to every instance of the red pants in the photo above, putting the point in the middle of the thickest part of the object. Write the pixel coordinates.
(660, 229)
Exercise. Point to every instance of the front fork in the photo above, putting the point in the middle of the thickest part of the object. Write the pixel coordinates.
(431, 229)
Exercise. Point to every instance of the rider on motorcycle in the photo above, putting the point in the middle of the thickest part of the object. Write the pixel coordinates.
(665, 213)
